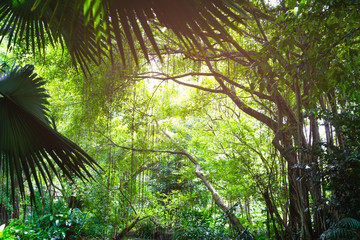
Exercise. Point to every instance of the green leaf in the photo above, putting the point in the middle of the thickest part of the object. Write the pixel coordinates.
(87, 11)
(80, 24)
(28, 144)
(36, 4)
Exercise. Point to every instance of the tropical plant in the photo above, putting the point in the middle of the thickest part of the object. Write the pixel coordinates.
(346, 228)
(87, 27)
(145, 230)
(340, 168)
(195, 224)
(30, 149)
(63, 225)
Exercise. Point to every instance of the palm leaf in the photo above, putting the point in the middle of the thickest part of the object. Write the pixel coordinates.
(35, 27)
(186, 18)
(29, 148)
(87, 26)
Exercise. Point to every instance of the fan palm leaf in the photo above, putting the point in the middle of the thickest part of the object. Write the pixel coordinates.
(30, 149)
(88, 26)
(35, 27)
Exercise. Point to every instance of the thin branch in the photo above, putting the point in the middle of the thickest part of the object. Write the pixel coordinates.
(174, 78)
(121, 192)
(144, 168)
(136, 149)
(241, 105)
(260, 27)
(248, 90)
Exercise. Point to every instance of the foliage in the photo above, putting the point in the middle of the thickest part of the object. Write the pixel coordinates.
(87, 28)
(66, 225)
(146, 230)
(247, 111)
(166, 176)
(340, 168)
(338, 172)
(346, 228)
(98, 228)
(195, 224)
(28, 143)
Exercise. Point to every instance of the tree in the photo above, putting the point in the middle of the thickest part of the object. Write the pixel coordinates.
(287, 67)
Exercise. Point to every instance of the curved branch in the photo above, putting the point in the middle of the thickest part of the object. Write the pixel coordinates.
(240, 104)
(174, 78)
(233, 219)
(256, 93)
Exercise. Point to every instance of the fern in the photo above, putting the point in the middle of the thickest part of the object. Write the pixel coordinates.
(349, 223)
(346, 228)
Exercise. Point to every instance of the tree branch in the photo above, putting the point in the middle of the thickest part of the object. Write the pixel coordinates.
(245, 108)
(174, 78)
(233, 219)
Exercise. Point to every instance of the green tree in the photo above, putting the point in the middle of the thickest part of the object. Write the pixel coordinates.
(283, 66)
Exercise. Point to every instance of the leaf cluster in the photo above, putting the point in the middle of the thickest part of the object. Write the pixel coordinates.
(66, 225)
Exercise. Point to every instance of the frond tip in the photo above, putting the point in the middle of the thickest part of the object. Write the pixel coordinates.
(29, 148)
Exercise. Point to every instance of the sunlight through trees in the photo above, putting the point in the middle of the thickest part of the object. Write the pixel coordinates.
(219, 119)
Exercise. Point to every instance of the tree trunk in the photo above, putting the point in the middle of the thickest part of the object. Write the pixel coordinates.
(315, 188)
(299, 209)
(73, 202)
(16, 203)
(233, 219)
(127, 229)
(4, 215)
(248, 210)
(272, 210)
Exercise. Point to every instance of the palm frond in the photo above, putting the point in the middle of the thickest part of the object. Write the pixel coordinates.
(29, 148)
(188, 19)
(88, 26)
(50, 21)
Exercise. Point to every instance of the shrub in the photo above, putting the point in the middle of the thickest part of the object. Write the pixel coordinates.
(346, 228)
(194, 224)
(145, 230)
(66, 225)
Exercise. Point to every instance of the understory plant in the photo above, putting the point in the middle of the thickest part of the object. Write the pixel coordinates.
(66, 225)
(346, 228)
(195, 224)
(146, 230)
